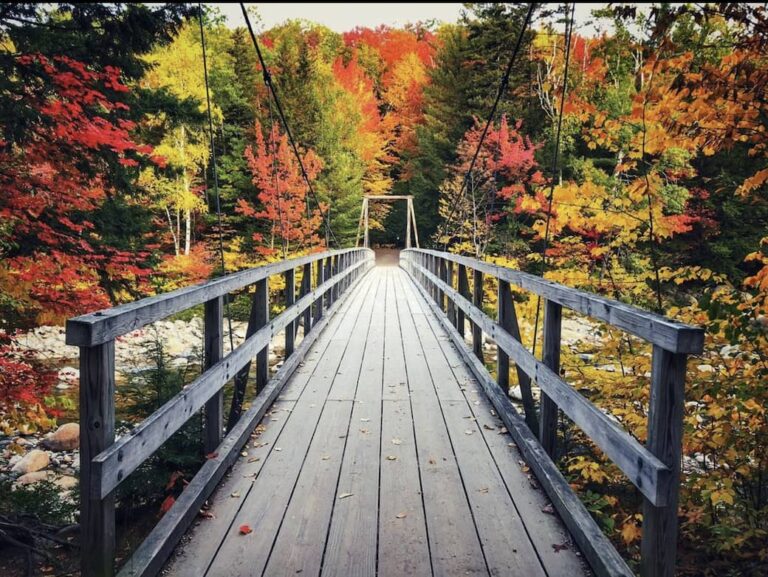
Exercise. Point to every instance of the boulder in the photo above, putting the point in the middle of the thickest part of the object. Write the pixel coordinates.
(33, 461)
(65, 438)
(66, 482)
(30, 478)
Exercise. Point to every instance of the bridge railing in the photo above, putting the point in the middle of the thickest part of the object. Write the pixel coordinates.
(654, 468)
(106, 462)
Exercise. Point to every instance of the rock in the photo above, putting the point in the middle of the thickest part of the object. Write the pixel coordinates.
(705, 368)
(13, 460)
(63, 386)
(586, 357)
(179, 363)
(33, 461)
(65, 438)
(66, 482)
(30, 478)
(69, 374)
(607, 368)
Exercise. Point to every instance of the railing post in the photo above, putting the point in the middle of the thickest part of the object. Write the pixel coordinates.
(463, 291)
(306, 288)
(213, 317)
(319, 281)
(97, 433)
(449, 281)
(477, 300)
(261, 303)
(553, 315)
(665, 435)
(442, 274)
(504, 316)
(290, 298)
(334, 270)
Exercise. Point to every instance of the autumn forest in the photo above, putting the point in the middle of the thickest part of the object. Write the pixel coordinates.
(628, 159)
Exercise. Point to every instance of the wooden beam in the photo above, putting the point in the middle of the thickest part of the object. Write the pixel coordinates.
(553, 316)
(477, 300)
(97, 433)
(665, 435)
(261, 309)
(150, 556)
(306, 288)
(463, 291)
(643, 468)
(213, 317)
(290, 298)
(102, 326)
(656, 329)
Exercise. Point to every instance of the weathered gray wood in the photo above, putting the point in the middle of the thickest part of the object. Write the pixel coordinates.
(506, 545)
(261, 315)
(350, 548)
(319, 279)
(645, 471)
(290, 298)
(150, 556)
(504, 319)
(665, 434)
(450, 307)
(114, 464)
(213, 317)
(670, 335)
(553, 316)
(97, 432)
(600, 553)
(454, 544)
(306, 287)
(477, 300)
(265, 507)
(463, 283)
(543, 530)
(105, 325)
(523, 379)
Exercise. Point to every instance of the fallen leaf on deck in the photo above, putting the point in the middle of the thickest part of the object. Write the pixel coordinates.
(401, 515)
(483, 490)
(503, 430)
(364, 420)
(489, 427)
(207, 514)
(559, 548)
(345, 495)
(397, 442)
(211, 455)
(363, 431)
(468, 432)
(254, 459)
(235, 495)
(245, 529)
(167, 504)
(278, 449)
(432, 462)
(244, 454)
(548, 510)
(391, 458)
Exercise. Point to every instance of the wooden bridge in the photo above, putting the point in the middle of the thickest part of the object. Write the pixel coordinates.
(385, 447)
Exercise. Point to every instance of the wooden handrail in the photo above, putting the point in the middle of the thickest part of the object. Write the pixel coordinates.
(106, 463)
(654, 468)
(104, 325)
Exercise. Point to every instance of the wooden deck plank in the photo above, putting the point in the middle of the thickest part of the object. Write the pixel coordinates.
(454, 543)
(264, 506)
(437, 501)
(507, 548)
(548, 535)
(300, 540)
(352, 537)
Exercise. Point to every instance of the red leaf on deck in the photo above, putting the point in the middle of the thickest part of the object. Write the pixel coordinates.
(245, 529)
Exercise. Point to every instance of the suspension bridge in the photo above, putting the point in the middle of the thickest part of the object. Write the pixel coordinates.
(381, 445)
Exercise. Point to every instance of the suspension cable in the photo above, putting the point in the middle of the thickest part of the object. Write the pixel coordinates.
(555, 159)
(214, 168)
(502, 89)
(271, 86)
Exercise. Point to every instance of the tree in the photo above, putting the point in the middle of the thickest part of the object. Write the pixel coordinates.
(282, 194)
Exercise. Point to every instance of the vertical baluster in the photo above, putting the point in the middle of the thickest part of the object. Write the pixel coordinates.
(290, 298)
(306, 288)
(553, 315)
(449, 281)
(665, 435)
(463, 288)
(97, 433)
(261, 304)
(320, 272)
(213, 316)
(477, 300)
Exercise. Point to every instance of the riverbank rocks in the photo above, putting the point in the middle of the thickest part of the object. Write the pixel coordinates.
(65, 438)
(31, 478)
(35, 460)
